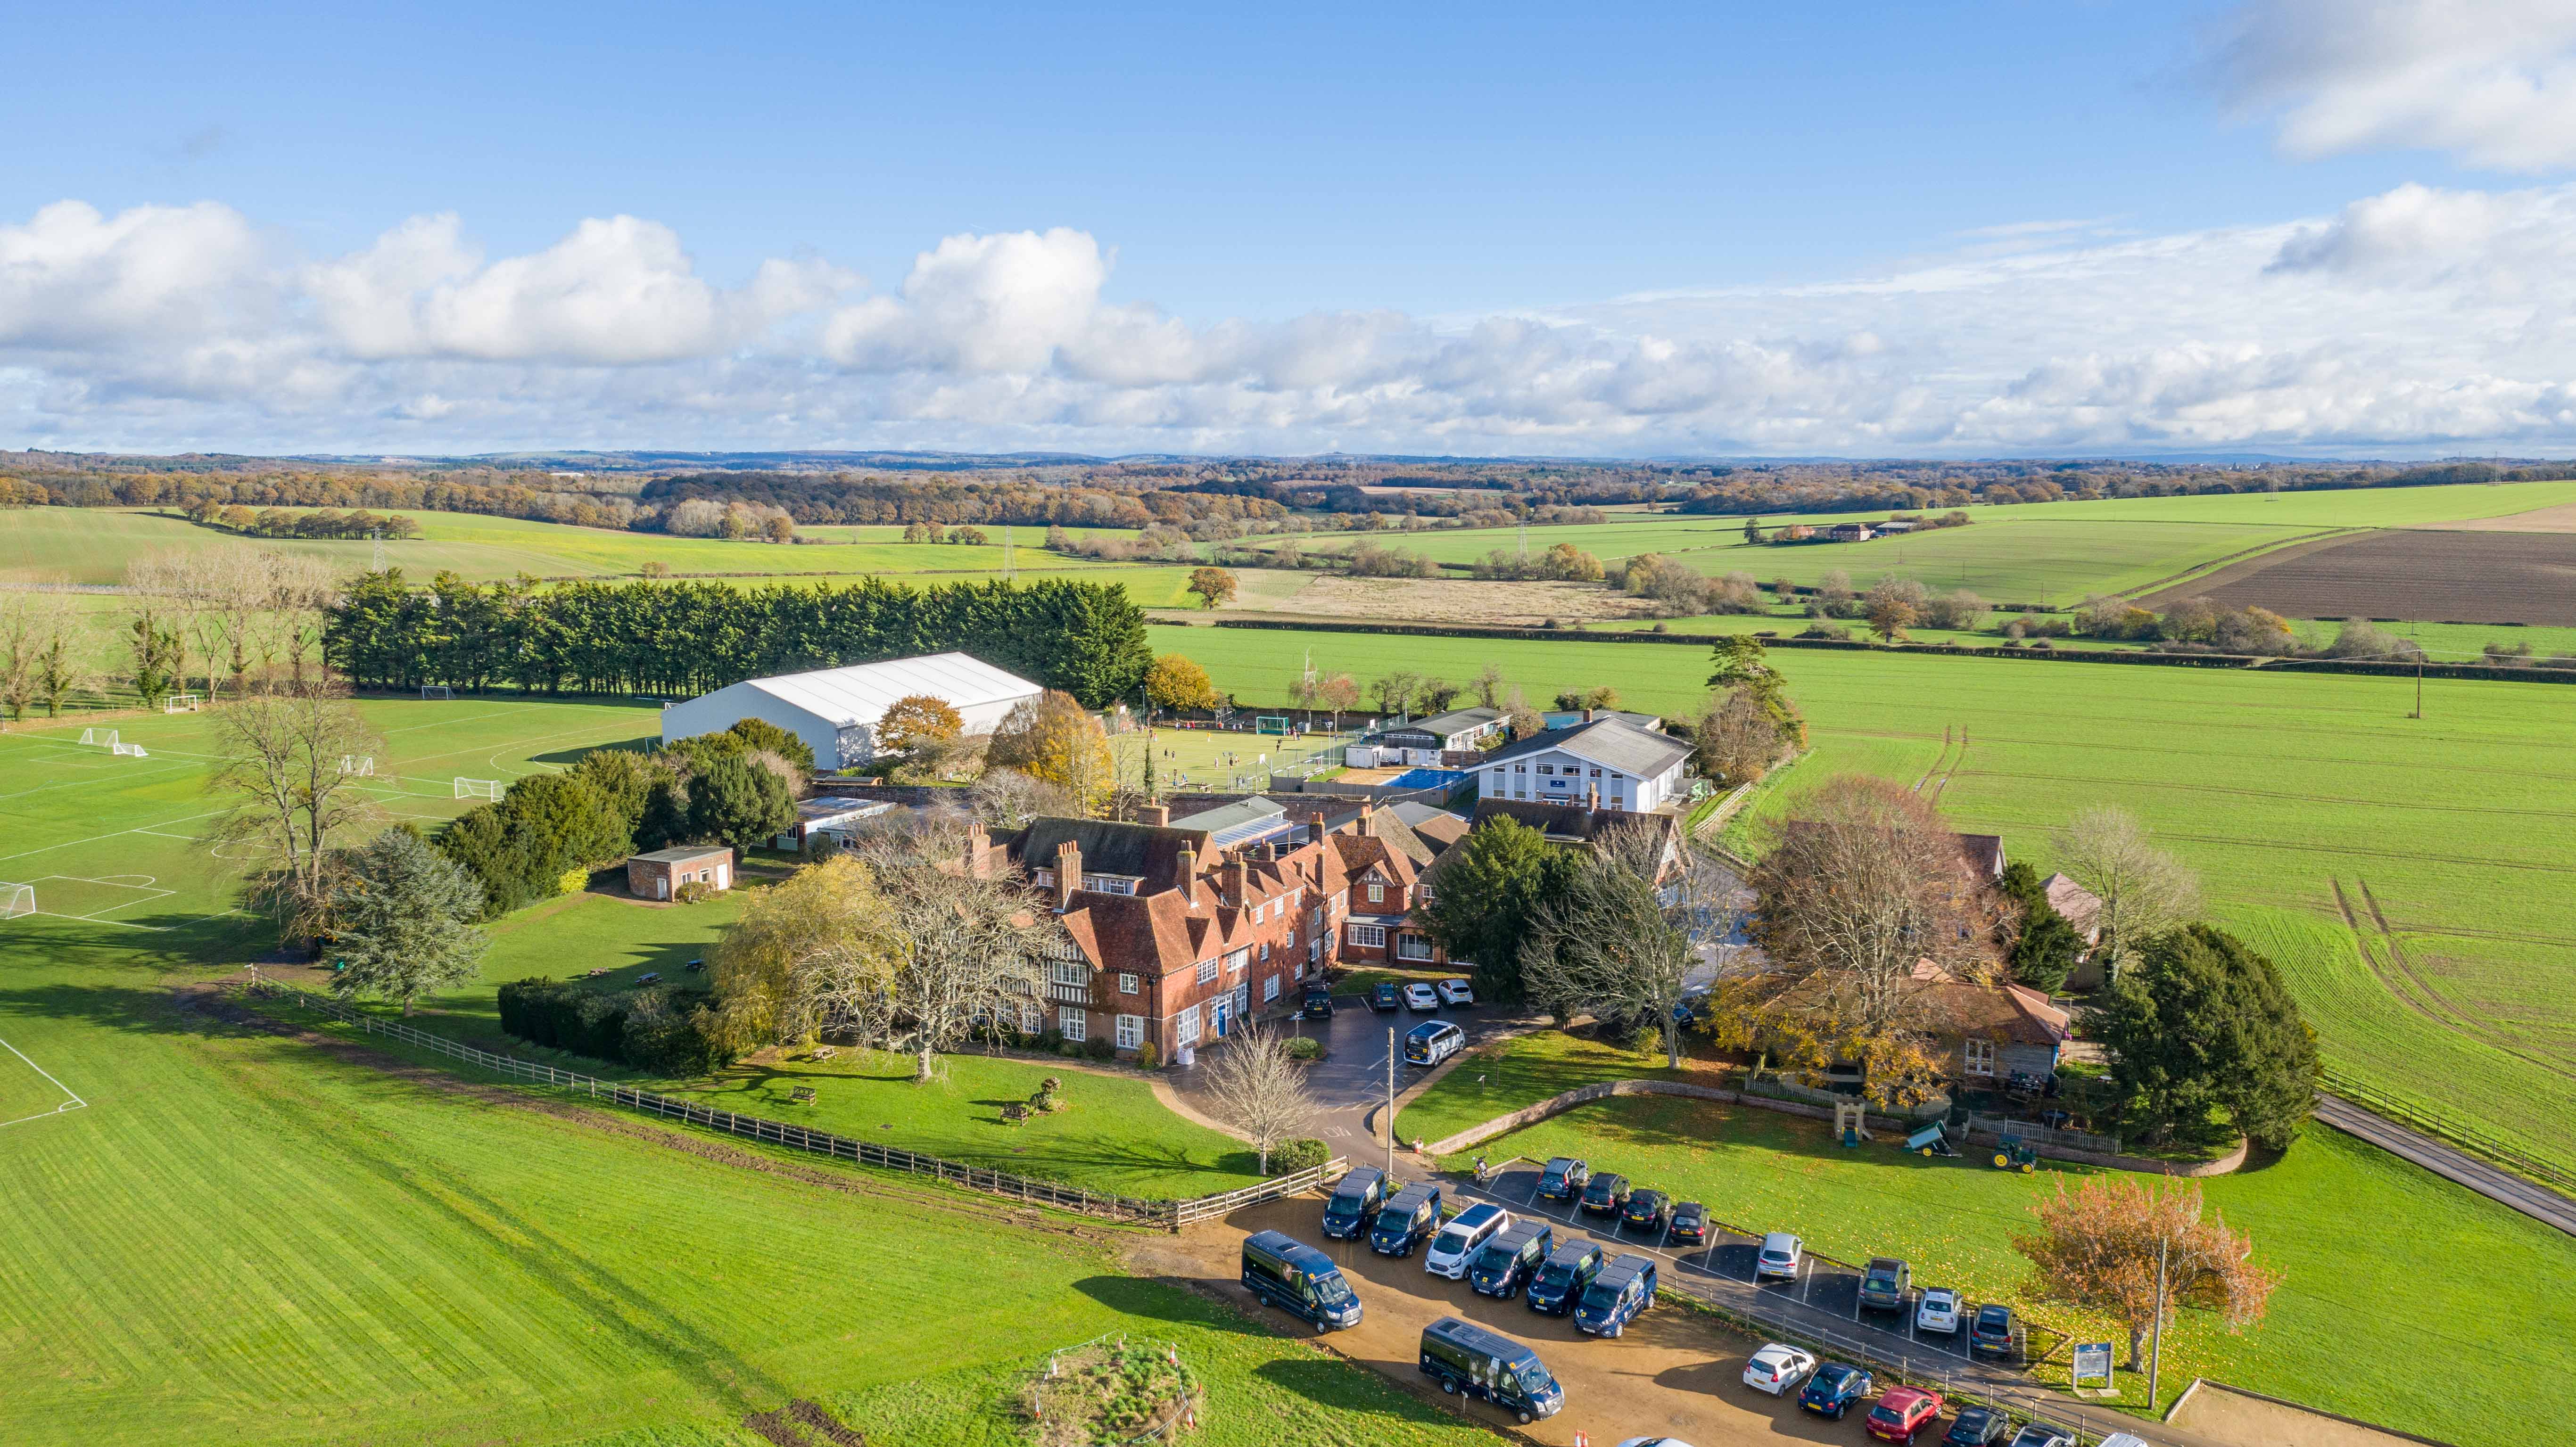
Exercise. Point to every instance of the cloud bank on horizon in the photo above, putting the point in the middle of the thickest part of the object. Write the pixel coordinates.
(2415, 320)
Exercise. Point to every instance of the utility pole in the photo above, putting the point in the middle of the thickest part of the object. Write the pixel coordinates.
(1390, 1103)
(1010, 573)
(2419, 683)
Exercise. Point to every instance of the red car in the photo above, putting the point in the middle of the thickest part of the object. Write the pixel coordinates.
(1902, 1412)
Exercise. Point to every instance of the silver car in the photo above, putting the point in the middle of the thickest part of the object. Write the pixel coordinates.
(1938, 1311)
(1781, 1253)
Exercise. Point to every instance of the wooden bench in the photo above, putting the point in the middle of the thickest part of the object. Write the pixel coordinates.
(823, 1052)
(1014, 1112)
(802, 1095)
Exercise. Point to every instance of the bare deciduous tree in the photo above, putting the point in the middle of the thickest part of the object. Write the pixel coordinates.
(1011, 798)
(289, 800)
(1865, 881)
(2144, 891)
(40, 658)
(1609, 945)
(1254, 1086)
(959, 949)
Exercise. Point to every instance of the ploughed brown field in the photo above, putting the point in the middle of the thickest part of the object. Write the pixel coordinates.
(2441, 577)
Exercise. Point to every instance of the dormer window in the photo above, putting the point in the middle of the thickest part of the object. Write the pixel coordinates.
(1377, 893)
(1109, 883)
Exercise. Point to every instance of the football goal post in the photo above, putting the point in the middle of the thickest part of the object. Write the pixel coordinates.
(1270, 723)
(437, 690)
(362, 765)
(478, 789)
(105, 738)
(130, 751)
(179, 703)
(17, 899)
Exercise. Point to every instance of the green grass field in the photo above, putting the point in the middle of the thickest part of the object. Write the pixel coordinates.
(2050, 553)
(245, 1236)
(2351, 1229)
(2277, 788)
(93, 545)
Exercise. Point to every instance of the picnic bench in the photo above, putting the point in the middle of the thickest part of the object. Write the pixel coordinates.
(823, 1052)
(1015, 1112)
(801, 1095)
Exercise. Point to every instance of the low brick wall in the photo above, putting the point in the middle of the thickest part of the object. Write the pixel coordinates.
(1556, 1105)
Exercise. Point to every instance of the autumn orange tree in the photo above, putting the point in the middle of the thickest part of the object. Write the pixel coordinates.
(2136, 1251)
(918, 720)
(1212, 586)
(1177, 681)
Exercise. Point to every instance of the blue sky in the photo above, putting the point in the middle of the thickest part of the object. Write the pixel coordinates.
(1700, 228)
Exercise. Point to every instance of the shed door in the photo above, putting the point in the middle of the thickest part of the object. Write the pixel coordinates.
(662, 886)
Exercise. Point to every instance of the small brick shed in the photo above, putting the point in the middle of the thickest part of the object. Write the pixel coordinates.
(660, 874)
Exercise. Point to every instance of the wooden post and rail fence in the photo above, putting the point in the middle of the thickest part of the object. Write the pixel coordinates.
(1165, 1214)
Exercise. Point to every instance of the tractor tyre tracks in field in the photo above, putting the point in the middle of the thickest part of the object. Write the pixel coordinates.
(2401, 979)
(802, 1424)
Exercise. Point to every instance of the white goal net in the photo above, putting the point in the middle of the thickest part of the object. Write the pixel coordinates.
(436, 690)
(130, 751)
(17, 899)
(104, 737)
(478, 789)
(362, 765)
(179, 703)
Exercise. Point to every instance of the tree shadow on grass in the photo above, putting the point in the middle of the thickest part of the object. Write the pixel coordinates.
(643, 744)
(1162, 1300)
(1345, 1385)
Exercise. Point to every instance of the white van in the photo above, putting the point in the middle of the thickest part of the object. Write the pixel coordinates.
(1432, 1041)
(1458, 1241)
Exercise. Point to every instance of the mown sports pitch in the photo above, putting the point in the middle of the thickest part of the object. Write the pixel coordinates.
(2277, 786)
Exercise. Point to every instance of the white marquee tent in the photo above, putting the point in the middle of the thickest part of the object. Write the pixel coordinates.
(835, 710)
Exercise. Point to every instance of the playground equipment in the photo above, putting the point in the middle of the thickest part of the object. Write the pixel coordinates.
(1851, 1121)
(1930, 1140)
(2015, 1156)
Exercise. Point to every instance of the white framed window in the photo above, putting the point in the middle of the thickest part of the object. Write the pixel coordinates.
(1071, 1020)
(1981, 1057)
(1377, 893)
(1269, 988)
(1207, 970)
(1109, 883)
(1235, 962)
(1369, 936)
(1069, 972)
(1265, 951)
(1127, 983)
(1131, 1031)
(1547, 768)
(1032, 1016)
(1412, 947)
(1045, 876)
(1185, 1026)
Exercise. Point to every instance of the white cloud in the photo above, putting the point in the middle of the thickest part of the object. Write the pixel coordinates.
(2419, 320)
(2492, 80)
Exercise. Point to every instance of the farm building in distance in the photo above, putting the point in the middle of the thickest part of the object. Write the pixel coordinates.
(835, 710)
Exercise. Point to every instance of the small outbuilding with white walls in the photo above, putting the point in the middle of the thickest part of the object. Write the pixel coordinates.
(835, 710)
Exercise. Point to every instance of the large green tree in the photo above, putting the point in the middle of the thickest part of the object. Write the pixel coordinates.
(402, 920)
(1486, 893)
(735, 801)
(2203, 1025)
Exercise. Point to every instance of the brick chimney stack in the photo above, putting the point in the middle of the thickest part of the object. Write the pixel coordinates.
(1367, 824)
(1315, 826)
(1189, 877)
(1157, 815)
(1592, 796)
(977, 842)
(1068, 874)
(1238, 882)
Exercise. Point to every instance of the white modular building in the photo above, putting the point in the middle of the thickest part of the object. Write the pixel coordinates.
(835, 710)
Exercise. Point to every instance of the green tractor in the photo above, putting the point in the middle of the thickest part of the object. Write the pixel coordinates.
(2013, 1155)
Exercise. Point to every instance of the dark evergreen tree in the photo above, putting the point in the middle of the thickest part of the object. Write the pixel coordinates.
(1485, 891)
(760, 733)
(2046, 948)
(2203, 1028)
(735, 801)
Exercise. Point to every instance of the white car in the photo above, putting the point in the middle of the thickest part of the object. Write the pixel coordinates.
(1419, 996)
(1777, 1369)
(1459, 992)
(1779, 1259)
(1938, 1311)
(1457, 1241)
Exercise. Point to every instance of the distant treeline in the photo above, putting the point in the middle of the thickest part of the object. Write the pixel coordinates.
(1087, 639)
(1206, 497)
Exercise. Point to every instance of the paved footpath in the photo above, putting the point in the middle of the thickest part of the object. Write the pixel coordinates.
(2530, 1198)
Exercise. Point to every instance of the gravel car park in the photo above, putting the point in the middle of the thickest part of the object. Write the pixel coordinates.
(1778, 1368)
